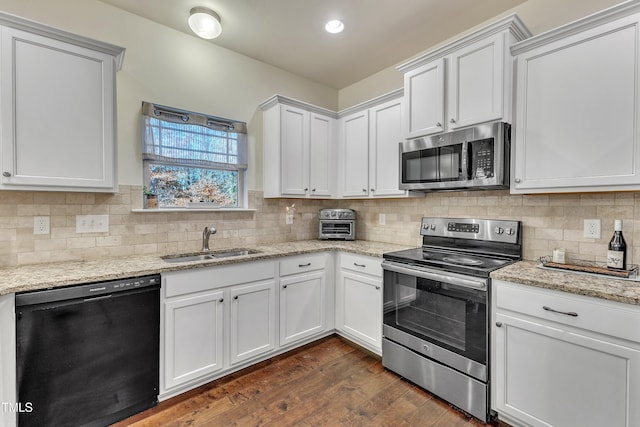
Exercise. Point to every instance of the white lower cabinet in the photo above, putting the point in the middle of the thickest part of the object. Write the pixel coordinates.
(303, 297)
(211, 320)
(194, 337)
(564, 360)
(359, 300)
(253, 316)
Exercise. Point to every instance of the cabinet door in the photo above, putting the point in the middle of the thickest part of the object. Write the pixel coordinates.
(57, 103)
(385, 135)
(321, 160)
(576, 126)
(193, 337)
(294, 149)
(475, 83)
(547, 376)
(355, 155)
(359, 309)
(252, 328)
(424, 100)
(302, 306)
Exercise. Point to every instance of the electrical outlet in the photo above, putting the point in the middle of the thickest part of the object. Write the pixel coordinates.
(41, 225)
(92, 223)
(592, 228)
(382, 219)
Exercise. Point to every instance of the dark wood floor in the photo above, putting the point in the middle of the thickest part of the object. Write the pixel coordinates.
(326, 383)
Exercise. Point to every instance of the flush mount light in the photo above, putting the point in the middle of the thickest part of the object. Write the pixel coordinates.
(334, 27)
(205, 23)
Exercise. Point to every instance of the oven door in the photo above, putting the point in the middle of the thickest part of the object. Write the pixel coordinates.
(337, 229)
(441, 315)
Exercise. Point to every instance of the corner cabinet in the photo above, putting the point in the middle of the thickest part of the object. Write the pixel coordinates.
(577, 104)
(58, 109)
(298, 149)
(359, 300)
(564, 360)
(463, 83)
(368, 148)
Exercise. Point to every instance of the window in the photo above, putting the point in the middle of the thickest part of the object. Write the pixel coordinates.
(193, 160)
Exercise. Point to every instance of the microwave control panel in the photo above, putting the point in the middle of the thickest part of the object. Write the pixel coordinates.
(481, 159)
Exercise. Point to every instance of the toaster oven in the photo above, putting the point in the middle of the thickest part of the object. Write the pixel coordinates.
(337, 224)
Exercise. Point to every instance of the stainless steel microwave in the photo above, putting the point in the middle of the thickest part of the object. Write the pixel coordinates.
(466, 159)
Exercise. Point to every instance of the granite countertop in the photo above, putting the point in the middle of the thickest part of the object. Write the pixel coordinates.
(43, 276)
(528, 273)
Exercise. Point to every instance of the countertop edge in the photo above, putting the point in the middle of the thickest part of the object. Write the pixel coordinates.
(601, 287)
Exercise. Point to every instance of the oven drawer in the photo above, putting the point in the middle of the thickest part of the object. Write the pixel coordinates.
(568, 309)
(361, 264)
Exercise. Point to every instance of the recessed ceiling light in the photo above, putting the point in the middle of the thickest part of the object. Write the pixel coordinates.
(334, 27)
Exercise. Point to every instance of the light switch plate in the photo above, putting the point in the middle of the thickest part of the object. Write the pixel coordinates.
(92, 223)
(592, 228)
(382, 219)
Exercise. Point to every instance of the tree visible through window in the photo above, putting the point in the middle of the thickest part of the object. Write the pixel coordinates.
(191, 158)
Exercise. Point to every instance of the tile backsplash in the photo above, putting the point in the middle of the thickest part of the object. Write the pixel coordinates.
(549, 221)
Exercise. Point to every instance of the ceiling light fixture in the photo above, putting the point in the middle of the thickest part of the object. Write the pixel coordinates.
(334, 27)
(205, 23)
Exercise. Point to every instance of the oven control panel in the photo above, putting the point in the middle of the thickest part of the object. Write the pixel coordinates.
(476, 229)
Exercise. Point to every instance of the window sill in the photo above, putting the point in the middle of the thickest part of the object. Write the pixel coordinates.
(169, 210)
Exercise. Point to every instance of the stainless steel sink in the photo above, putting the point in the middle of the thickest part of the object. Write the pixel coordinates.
(225, 253)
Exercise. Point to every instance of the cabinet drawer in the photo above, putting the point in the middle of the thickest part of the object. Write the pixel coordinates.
(606, 317)
(361, 264)
(202, 279)
(302, 264)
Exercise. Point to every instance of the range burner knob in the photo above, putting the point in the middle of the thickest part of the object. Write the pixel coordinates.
(425, 226)
(433, 227)
(499, 230)
(510, 231)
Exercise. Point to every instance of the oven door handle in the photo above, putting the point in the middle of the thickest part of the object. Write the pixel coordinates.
(453, 280)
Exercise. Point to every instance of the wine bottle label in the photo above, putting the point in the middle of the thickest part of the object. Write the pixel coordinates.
(615, 259)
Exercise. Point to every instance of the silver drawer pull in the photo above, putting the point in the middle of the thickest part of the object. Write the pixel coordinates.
(567, 313)
(359, 265)
(6, 174)
(304, 265)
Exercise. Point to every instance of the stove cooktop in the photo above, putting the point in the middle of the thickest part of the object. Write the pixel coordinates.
(455, 261)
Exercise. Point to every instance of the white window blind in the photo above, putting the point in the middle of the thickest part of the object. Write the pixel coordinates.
(180, 137)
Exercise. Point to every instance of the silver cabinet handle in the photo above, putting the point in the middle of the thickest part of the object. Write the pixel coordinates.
(304, 265)
(364, 190)
(359, 265)
(378, 288)
(313, 190)
(306, 189)
(235, 297)
(284, 286)
(499, 324)
(6, 174)
(567, 313)
(438, 124)
(452, 121)
(373, 189)
(518, 180)
(221, 300)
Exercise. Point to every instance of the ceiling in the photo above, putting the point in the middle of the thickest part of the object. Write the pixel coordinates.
(289, 34)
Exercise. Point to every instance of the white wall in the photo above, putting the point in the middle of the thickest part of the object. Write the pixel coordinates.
(538, 16)
(168, 67)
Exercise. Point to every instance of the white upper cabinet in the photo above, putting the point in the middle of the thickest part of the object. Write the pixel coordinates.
(462, 83)
(577, 104)
(58, 109)
(298, 149)
(368, 149)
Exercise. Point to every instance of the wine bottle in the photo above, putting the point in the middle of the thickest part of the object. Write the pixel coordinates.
(617, 253)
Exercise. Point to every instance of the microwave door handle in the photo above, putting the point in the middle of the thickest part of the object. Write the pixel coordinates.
(429, 275)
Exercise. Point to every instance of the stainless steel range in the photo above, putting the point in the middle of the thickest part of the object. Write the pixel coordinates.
(437, 307)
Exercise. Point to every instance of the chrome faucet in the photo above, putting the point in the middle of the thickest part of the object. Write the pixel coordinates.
(206, 233)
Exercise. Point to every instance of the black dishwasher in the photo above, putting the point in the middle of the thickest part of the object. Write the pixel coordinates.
(88, 355)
